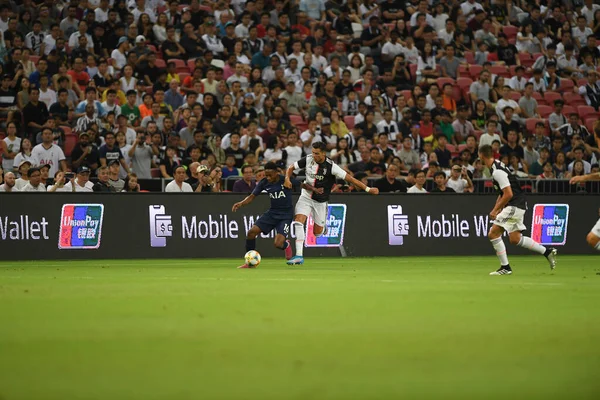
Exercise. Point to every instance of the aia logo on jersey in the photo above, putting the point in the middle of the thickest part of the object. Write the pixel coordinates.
(277, 195)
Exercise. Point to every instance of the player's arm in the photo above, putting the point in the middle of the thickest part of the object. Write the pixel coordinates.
(359, 184)
(585, 178)
(243, 203)
(311, 188)
(290, 171)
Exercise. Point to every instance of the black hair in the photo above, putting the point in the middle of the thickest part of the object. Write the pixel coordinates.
(272, 166)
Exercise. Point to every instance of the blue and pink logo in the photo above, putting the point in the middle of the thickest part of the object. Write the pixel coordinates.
(549, 224)
(80, 226)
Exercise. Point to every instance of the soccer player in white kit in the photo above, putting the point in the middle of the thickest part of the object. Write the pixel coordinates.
(321, 174)
(508, 213)
(593, 238)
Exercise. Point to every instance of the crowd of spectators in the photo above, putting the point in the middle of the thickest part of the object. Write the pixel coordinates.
(104, 95)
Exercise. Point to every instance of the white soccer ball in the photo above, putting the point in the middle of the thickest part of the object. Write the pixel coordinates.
(252, 258)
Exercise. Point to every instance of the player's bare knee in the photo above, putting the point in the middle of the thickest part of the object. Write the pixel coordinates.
(514, 238)
(278, 242)
(253, 233)
(493, 234)
(592, 239)
(317, 230)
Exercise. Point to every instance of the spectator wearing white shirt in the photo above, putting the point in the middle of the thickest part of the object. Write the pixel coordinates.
(178, 184)
(518, 81)
(392, 48)
(118, 54)
(35, 181)
(388, 126)
(581, 31)
(47, 153)
(142, 9)
(446, 35)
(81, 31)
(102, 12)
(50, 39)
(419, 183)
(589, 10)
(81, 183)
(469, 7)
(490, 135)
(422, 8)
(459, 180)
(591, 91)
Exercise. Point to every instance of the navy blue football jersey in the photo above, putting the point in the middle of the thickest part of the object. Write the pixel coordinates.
(281, 197)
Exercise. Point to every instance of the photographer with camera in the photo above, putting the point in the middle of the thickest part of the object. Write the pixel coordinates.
(209, 181)
(141, 154)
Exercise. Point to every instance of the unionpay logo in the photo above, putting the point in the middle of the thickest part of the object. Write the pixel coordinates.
(334, 233)
(397, 225)
(549, 224)
(80, 226)
(161, 226)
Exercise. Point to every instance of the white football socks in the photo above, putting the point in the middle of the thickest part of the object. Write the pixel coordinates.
(299, 232)
(500, 250)
(597, 246)
(529, 244)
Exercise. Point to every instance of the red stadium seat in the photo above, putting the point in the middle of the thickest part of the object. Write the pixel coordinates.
(478, 134)
(183, 75)
(574, 99)
(510, 31)
(442, 81)
(531, 122)
(70, 143)
(160, 63)
(463, 70)
(568, 110)
(515, 96)
(464, 83)
(586, 112)
(501, 70)
(349, 121)
(470, 57)
(413, 70)
(492, 57)
(191, 64)
(551, 97)
(539, 98)
(566, 85)
(296, 120)
(545, 111)
(407, 95)
(475, 71)
(155, 172)
(589, 124)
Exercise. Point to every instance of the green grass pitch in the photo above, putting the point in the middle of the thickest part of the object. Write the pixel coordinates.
(358, 328)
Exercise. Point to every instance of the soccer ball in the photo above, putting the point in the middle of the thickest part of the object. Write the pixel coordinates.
(252, 258)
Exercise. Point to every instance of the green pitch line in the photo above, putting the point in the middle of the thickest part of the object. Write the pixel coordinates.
(355, 328)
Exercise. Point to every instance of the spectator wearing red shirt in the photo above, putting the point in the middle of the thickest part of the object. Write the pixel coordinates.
(78, 75)
(264, 23)
(427, 126)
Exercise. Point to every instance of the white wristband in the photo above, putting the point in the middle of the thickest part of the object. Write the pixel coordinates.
(367, 189)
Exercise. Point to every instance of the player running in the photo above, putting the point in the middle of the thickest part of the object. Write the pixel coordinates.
(508, 214)
(321, 174)
(593, 238)
(278, 217)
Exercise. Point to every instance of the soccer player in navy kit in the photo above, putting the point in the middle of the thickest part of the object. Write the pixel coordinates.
(278, 217)
(321, 173)
(508, 214)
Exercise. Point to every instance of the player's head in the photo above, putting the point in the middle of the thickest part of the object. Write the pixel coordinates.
(319, 151)
(271, 172)
(486, 154)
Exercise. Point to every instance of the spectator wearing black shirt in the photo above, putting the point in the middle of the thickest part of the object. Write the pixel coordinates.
(170, 47)
(103, 184)
(235, 150)
(375, 166)
(60, 109)
(367, 127)
(507, 52)
(85, 154)
(8, 98)
(439, 178)
(194, 46)
(372, 37)
(225, 123)
(35, 113)
(443, 154)
(392, 10)
(508, 123)
(389, 183)
(149, 72)
(512, 145)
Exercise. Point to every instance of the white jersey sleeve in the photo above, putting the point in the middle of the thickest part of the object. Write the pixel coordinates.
(338, 171)
(501, 177)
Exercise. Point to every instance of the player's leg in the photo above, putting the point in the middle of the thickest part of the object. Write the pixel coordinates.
(319, 214)
(281, 242)
(516, 226)
(303, 210)
(495, 236)
(593, 238)
(251, 241)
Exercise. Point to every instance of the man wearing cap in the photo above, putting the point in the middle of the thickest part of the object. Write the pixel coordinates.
(23, 179)
(114, 167)
(213, 42)
(84, 154)
(35, 181)
(459, 180)
(118, 54)
(9, 183)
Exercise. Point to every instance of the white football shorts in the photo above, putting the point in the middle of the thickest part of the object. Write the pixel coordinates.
(309, 207)
(511, 219)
